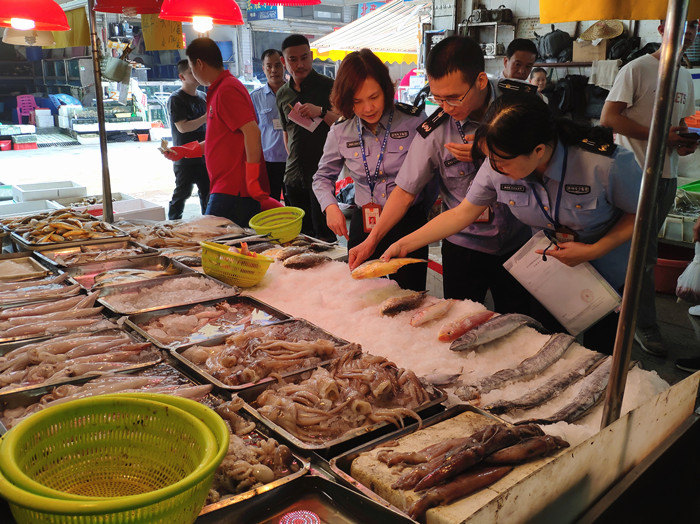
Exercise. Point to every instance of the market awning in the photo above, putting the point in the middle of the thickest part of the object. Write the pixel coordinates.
(393, 32)
(555, 11)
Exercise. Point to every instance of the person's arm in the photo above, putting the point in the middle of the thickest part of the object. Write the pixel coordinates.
(442, 226)
(696, 230)
(285, 137)
(329, 167)
(185, 126)
(251, 138)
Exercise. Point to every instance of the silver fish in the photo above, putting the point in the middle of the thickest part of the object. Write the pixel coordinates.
(290, 251)
(591, 392)
(305, 261)
(440, 379)
(552, 351)
(432, 312)
(395, 305)
(550, 388)
(493, 329)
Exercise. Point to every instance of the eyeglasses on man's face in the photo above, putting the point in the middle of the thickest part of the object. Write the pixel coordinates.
(452, 102)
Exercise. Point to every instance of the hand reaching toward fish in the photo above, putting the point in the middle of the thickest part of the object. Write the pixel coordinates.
(361, 252)
(336, 221)
(395, 250)
(571, 253)
(380, 268)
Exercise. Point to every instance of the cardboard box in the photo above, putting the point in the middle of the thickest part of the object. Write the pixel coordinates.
(587, 52)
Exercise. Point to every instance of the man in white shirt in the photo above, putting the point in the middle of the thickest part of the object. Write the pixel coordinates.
(628, 111)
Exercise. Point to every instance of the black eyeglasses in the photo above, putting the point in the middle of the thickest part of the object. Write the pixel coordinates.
(452, 102)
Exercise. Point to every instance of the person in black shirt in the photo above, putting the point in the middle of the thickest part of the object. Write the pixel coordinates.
(188, 116)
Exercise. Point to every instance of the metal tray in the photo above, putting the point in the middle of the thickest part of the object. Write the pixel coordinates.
(134, 287)
(268, 314)
(351, 438)
(26, 301)
(50, 255)
(205, 376)
(22, 244)
(331, 502)
(39, 269)
(9, 346)
(85, 274)
(340, 465)
(26, 339)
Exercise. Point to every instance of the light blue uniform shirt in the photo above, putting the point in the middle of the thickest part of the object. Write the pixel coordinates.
(503, 234)
(342, 149)
(597, 191)
(271, 137)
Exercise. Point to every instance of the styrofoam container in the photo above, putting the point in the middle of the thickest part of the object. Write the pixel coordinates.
(68, 110)
(42, 112)
(66, 202)
(134, 208)
(11, 208)
(64, 122)
(45, 121)
(47, 191)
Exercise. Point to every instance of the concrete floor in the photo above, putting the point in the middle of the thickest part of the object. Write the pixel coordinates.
(138, 169)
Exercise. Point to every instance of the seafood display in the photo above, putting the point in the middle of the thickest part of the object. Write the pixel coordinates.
(493, 329)
(37, 289)
(203, 321)
(113, 277)
(20, 268)
(132, 298)
(552, 351)
(305, 260)
(61, 225)
(356, 390)
(256, 353)
(86, 254)
(179, 233)
(379, 268)
(432, 312)
(457, 328)
(395, 305)
(55, 317)
(74, 355)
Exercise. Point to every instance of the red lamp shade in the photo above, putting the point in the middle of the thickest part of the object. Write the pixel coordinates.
(288, 3)
(46, 15)
(222, 12)
(141, 7)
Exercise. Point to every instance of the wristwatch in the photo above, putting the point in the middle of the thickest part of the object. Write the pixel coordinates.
(323, 112)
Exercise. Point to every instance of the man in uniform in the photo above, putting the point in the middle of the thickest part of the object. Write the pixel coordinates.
(188, 115)
(265, 102)
(472, 259)
(312, 91)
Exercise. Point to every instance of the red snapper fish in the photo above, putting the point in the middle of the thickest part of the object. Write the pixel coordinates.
(457, 328)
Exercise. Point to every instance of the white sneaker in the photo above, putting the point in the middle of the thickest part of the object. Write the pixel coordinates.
(694, 310)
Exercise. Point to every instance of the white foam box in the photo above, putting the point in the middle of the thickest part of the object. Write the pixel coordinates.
(134, 208)
(47, 191)
(68, 110)
(42, 112)
(45, 121)
(66, 202)
(64, 122)
(11, 208)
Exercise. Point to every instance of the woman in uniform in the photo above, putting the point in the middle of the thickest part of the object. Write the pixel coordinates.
(370, 142)
(556, 176)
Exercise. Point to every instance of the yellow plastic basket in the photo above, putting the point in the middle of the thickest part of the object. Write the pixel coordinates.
(112, 458)
(281, 223)
(233, 268)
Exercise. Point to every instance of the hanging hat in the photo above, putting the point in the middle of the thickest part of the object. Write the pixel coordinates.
(604, 29)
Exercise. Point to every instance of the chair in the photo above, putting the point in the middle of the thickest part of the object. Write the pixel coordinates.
(25, 107)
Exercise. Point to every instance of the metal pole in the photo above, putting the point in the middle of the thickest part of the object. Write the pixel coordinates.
(108, 215)
(653, 166)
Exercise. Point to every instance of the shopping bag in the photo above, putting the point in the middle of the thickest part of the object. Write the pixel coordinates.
(688, 286)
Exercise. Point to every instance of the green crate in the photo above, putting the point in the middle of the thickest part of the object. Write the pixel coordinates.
(24, 139)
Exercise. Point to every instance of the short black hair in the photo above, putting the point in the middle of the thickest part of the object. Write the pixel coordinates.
(206, 50)
(182, 66)
(269, 52)
(455, 53)
(537, 70)
(294, 40)
(521, 44)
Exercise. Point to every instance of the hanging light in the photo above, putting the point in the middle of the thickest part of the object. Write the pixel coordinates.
(286, 3)
(129, 7)
(42, 15)
(203, 13)
(30, 37)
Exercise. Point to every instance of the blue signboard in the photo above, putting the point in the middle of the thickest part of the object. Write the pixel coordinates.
(261, 12)
(367, 7)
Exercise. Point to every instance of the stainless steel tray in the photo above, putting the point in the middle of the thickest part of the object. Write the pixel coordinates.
(39, 269)
(23, 244)
(205, 376)
(330, 502)
(133, 288)
(266, 315)
(36, 337)
(50, 256)
(85, 274)
(340, 465)
(351, 438)
(26, 300)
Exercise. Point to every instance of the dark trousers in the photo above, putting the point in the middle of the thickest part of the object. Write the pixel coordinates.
(408, 277)
(314, 222)
(275, 174)
(468, 274)
(186, 176)
(236, 208)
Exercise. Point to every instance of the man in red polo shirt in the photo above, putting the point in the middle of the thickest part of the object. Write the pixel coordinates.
(233, 149)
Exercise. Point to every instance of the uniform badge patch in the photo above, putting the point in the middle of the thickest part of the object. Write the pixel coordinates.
(398, 134)
(577, 189)
(354, 143)
(451, 162)
(513, 187)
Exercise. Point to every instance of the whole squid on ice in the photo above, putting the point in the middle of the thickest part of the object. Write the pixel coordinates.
(527, 449)
(493, 329)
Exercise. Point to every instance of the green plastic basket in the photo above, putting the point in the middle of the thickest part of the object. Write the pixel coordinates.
(281, 223)
(233, 268)
(112, 458)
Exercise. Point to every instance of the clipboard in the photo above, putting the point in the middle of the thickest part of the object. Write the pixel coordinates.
(577, 297)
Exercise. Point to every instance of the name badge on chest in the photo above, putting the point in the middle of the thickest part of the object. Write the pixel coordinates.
(276, 124)
(370, 216)
(484, 217)
(565, 234)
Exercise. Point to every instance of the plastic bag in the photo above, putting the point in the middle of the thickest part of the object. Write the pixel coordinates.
(688, 286)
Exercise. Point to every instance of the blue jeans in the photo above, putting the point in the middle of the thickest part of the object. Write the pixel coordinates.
(236, 208)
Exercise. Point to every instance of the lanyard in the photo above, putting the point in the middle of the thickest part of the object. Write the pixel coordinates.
(461, 131)
(554, 220)
(372, 180)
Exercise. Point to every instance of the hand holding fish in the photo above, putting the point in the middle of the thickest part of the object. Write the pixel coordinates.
(571, 253)
(361, 252)
(395, 250)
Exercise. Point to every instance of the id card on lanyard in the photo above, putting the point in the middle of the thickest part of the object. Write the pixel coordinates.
(486, 215)
(372, 210)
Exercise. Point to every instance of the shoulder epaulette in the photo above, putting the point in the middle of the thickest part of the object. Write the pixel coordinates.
(340, 120)
(600, 148)
(432, 123)
(407, 108)
(514, 86)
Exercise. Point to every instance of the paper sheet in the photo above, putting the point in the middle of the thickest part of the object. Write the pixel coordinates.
(577, 296)
(310, 124)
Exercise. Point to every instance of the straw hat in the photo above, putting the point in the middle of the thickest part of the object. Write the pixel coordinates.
(604, 29)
